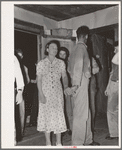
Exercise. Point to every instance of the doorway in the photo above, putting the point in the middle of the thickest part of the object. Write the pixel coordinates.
(28, 43)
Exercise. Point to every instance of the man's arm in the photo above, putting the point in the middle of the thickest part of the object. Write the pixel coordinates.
(78, 67)
(19, 81)
(18, 74)
(27, 75)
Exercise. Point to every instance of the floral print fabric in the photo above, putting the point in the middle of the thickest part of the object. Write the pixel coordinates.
(51, 115)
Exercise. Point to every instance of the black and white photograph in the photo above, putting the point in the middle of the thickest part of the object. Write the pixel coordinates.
(61, 74)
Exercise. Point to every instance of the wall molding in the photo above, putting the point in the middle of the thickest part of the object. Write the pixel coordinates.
(28, 27)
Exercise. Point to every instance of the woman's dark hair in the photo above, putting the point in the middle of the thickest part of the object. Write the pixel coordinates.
(65, 50)
(82, 31)
(47, 45)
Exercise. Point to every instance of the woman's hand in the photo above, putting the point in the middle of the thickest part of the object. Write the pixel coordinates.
(43, 99)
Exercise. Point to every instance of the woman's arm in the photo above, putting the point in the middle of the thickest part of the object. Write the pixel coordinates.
(67, 90)
(42, 98)
(65, 80)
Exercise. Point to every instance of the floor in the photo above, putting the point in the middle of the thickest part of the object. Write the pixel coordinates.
(34, 138)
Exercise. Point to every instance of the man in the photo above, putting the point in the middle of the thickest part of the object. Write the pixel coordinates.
(93, 91)
(79, 69)
(112, 91)
(33, 95)
(19, 54)
(19, 85)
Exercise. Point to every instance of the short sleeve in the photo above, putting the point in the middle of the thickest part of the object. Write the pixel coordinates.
(39, 68)
(115, 59)
(18, 74)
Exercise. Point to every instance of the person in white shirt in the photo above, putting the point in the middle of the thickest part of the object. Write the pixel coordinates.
(24, 69)
(115, 59)
(19, 85)
(112, 91)
(19, 81)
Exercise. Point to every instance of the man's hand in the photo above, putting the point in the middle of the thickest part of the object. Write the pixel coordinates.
(95, 70)
(33, 81)
(88, 74)
(19, 97)
(106, 92)
(74, 89)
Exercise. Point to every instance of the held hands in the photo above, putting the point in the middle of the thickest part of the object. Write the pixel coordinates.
(67, 91)
(70, 91)
(43, 99)
(74, 89)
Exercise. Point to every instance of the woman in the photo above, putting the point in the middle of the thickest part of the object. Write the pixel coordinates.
(63, 54)
(51, 110)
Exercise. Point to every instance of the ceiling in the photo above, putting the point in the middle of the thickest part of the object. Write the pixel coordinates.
(63, 12)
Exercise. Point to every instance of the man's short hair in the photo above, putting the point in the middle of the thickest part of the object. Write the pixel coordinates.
(82, 31)
(18, 50)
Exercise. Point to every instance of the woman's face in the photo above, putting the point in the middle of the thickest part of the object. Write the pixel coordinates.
(53, 49)
(62, 55)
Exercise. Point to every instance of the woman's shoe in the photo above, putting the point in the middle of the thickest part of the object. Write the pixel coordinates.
(48, 144)
(58, 144)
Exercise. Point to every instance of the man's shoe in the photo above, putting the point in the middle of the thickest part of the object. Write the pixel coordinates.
(94, 143)
(111, 138)
(67, 133)
(70, 132)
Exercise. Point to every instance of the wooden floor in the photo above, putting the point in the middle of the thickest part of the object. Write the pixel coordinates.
(34, 138)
